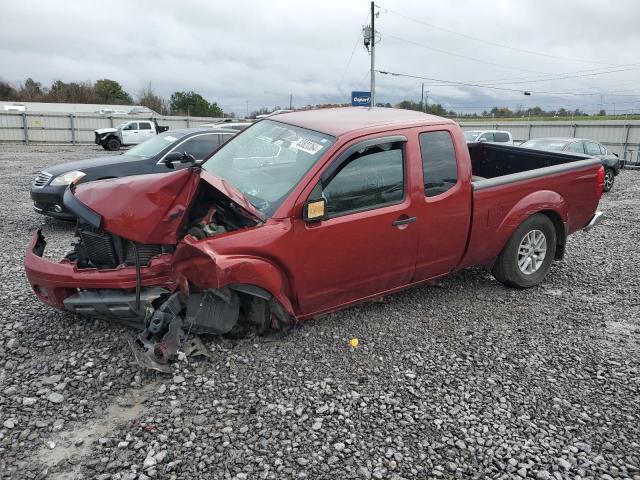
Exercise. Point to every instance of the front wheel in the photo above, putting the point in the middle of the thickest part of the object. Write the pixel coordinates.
(112, 144)
(527, 257)
(609, 178)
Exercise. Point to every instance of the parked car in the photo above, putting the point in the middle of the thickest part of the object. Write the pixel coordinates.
(160, 154)
(310, 212)
(492, 136)
(232, 125)
(129, 133)
(582, 146)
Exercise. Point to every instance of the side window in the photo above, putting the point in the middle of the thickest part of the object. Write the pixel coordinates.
(225, 137)
(199, 146)
(576, 147)
(145, 126)
(500, 137)
(439, 164)
(603, 151)
(371, 177)
(592, 148)
(487, 137)
(132, 126)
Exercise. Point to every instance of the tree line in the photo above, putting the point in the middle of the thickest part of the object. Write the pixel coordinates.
(109, 92)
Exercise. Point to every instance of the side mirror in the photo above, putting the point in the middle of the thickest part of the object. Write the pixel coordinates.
(178, 157)
(314, 210)
(615, 154)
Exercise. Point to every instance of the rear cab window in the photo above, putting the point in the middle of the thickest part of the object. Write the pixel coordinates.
(439, 164)
(501, 137)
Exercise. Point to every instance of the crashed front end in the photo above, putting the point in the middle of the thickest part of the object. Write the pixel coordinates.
(133, 243)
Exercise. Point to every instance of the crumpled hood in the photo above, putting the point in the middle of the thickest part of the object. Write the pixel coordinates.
(102, 131)
(148, 209)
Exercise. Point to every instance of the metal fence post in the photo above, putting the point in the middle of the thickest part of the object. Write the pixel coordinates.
(73, 128)
(626, 140)
(25, 128)
(575, 127)
(111, 121)
(529, 132)
(188, 122)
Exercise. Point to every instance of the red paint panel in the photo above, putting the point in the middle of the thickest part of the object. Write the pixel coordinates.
(143, 208)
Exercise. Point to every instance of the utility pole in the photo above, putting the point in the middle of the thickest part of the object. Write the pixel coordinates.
(291, 101)
(424, 100)
(247, 107)
(373, 56)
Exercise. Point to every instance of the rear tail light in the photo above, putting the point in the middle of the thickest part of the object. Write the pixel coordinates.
(600, 182)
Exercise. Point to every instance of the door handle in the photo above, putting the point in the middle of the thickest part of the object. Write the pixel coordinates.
(404, 221)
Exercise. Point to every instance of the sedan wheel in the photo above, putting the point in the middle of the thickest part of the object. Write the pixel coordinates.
(609, 178)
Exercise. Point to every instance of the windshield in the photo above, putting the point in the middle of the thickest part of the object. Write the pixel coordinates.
(471, 136)
(265, 162)
(545, 144)
(153, 146)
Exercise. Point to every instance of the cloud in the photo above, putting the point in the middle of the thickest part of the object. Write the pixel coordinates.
(232, 52)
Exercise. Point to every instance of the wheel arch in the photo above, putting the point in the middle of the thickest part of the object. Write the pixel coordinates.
(546, 202)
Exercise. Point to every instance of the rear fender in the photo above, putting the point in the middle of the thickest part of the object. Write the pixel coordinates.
(548, 202)
(207, 269)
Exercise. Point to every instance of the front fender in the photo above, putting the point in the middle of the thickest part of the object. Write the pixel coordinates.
(540, 201)
(205, 268)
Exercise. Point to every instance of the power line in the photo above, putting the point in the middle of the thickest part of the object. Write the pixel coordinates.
(486, 62)
(492, 87)
(490, 42)
(349, 62)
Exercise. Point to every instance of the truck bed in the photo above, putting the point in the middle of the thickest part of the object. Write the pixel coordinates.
(506, 178)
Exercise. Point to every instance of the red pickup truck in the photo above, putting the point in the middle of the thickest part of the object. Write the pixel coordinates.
(311, 212)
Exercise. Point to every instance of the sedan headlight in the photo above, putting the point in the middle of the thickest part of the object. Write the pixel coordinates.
(67, 178)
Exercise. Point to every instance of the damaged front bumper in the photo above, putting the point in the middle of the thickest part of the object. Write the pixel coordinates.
(97, 292)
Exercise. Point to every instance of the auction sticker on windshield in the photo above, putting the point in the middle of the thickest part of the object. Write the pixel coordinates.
(307, 146)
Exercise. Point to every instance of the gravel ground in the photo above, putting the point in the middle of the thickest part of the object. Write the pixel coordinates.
(460, 379)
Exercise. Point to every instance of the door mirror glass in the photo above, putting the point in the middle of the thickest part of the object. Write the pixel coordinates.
(178, 157)
(314, 210)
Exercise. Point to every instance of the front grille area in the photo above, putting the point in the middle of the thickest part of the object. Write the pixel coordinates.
(99, 249)
(42, 179)
(145, 253)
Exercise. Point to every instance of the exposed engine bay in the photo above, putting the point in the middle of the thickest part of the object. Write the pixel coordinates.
(171, 315)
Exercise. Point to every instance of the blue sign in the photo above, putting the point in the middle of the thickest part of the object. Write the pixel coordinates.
(360, 99)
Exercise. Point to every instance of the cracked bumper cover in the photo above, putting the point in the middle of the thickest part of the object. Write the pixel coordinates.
(54, 282)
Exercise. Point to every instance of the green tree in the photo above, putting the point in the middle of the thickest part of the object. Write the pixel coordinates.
(193, 104)
(31, 91)
(602, 113)
(73, 92)
(111, 92)
(7, 92)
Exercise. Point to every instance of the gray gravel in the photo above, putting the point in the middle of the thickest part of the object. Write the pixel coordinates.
(460, 379)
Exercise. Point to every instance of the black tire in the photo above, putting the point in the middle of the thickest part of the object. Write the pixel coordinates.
(507, 270)
(112, 144)
(609, 178)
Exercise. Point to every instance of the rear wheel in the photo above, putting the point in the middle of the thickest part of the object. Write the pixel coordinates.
(112, 144)
(527, 257)
(609, 178)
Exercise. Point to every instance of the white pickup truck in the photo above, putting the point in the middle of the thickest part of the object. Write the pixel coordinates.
(129, 133)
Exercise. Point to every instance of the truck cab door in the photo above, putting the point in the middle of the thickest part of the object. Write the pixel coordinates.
(130, 134)
(146, 131)
(366, 242)
(444, 207)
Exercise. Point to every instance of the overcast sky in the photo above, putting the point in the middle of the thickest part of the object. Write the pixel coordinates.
(234, 51)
